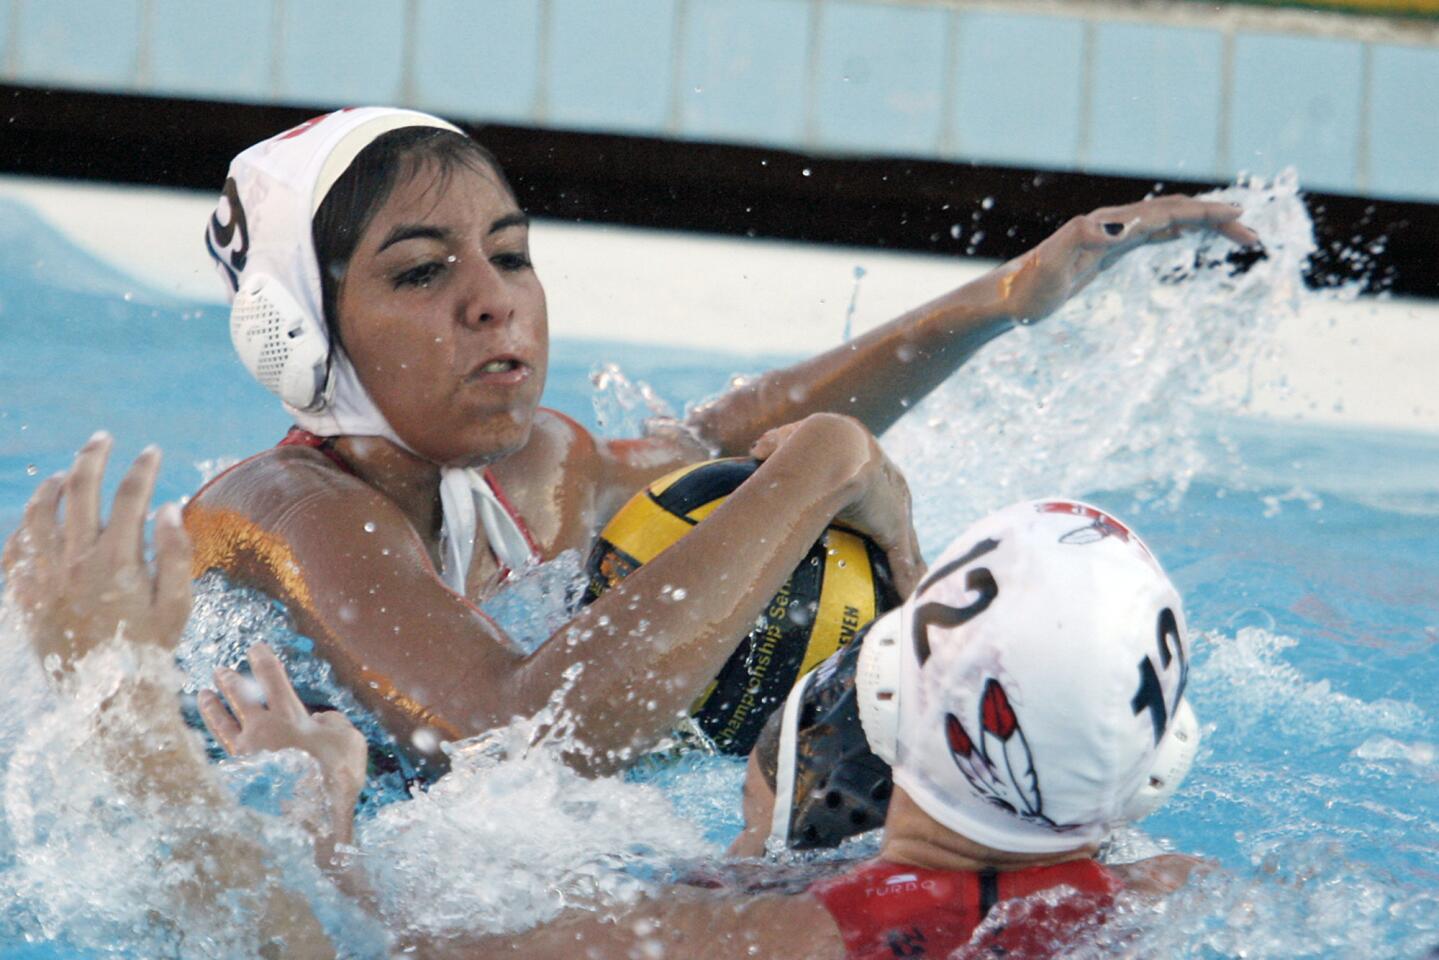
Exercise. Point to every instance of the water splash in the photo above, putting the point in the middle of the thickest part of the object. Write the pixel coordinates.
(227, 620)
(1114, 391)
(853, 303)
(94, 867)
(1311, 902)
(594, 841)
(624, 407)
(1251, 685)
(539, 600)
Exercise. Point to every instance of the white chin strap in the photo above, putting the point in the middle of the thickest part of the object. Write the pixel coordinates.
(468, 503)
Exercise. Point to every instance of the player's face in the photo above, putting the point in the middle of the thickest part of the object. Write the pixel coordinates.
(444, 318)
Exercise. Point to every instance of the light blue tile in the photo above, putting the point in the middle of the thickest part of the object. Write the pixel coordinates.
(478, 62)
(343, 52)
(7, 9)
(879, 84)
(211, 48)
(1156, 100)
(1018, 89)
(1296, 103)
(611, 64)
(73, 43)
(1404, 122)
(744, 70)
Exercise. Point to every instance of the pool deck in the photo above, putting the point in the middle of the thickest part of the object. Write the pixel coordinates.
(1366, 363)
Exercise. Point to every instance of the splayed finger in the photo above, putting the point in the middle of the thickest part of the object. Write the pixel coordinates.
(124, 537)
(82, 497)
(270, 674)
(218, 720)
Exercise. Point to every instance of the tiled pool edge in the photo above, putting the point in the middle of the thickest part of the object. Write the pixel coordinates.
(1175, 91)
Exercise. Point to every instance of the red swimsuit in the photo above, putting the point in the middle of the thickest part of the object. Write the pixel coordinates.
(887, 910)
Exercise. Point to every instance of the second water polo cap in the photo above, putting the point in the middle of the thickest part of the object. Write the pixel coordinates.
(1042, 664)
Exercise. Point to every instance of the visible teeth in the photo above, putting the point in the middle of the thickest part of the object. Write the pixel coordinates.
(498, 366)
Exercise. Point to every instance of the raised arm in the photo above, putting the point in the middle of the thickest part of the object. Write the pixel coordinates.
(80, 584)
(875, 377)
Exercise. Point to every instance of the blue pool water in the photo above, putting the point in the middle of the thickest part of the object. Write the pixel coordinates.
(1308, 556)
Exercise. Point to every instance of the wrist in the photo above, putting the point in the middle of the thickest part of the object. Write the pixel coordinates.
(832, 451)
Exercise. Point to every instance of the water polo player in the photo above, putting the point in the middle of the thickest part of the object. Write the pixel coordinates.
(382, 288)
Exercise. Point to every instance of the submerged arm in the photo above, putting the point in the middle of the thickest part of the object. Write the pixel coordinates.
(876, 377)
(695, 925)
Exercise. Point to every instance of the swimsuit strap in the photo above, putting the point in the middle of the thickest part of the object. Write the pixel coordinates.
(531, 553)
(300, 437)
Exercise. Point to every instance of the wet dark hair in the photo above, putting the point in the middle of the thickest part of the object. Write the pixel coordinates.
(363, 189)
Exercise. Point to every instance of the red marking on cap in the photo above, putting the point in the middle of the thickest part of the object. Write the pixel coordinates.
(313, 121)
(959, 741)
(1110, 524)
(999, 718)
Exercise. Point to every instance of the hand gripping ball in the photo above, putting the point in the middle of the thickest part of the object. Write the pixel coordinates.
(841, 585)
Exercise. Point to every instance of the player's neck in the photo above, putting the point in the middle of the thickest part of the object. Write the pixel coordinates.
(914, 838)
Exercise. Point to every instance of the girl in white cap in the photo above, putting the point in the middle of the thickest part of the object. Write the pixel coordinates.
(382, 288)
(1041, 675)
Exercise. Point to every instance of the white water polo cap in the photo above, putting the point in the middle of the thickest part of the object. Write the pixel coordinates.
(261, 241)
(1042, 666)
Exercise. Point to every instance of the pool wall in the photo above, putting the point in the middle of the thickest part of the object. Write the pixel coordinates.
(1190, 91)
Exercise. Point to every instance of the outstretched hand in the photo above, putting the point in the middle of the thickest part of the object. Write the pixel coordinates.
(79, 582)
(266, 714)
(1037, 283)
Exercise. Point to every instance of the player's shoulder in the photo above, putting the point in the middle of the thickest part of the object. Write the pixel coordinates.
(273, 482)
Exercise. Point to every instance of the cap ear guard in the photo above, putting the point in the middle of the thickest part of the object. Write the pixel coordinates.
(877, 686)
(1172, 760)
(281, 345)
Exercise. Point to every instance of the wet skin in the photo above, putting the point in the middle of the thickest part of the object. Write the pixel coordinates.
(439, 287)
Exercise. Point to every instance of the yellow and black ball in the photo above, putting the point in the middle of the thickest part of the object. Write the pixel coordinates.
(842, 584)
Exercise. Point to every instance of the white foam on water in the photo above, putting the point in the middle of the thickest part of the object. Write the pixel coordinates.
(1247, 678)
(512, 836)
(94, 866)
(1311, 903)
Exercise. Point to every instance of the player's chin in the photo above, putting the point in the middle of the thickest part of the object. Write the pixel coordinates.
(491, 436)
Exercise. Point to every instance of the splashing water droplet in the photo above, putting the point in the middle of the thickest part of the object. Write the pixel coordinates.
(853, 302)
(805, 172)
(31, 470)
(955, 230)
(987, 203)
(369, 526)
